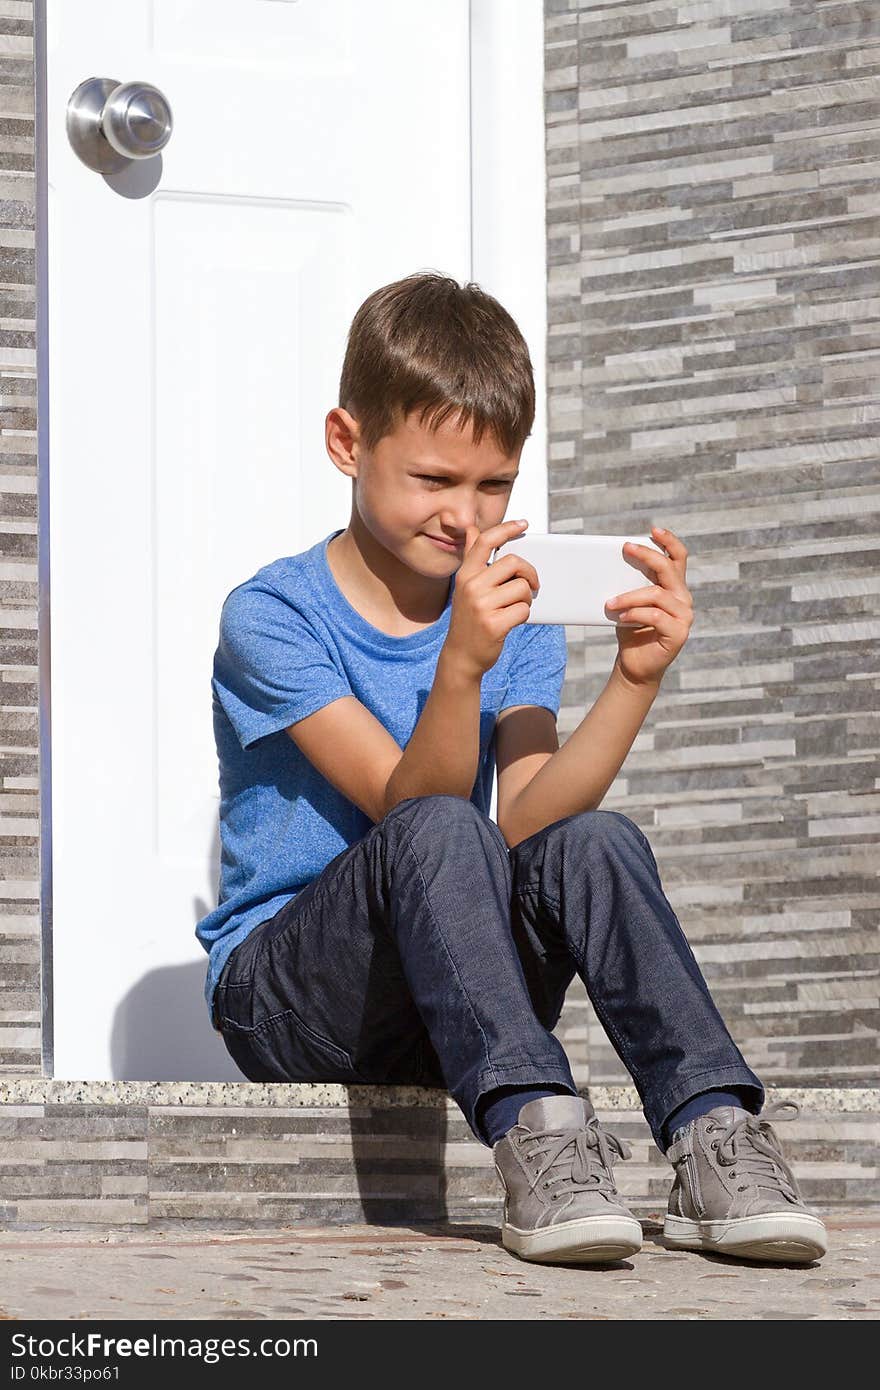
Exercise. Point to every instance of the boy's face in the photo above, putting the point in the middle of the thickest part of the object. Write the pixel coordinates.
(418, 483)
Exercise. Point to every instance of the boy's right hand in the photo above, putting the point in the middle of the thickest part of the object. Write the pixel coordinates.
(489, 600)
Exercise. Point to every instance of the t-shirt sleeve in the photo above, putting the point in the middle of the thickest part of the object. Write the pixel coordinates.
(537, 671)
(271, 667)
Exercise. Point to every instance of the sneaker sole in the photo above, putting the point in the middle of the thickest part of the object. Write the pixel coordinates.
(589, 1240)
(770, 1236)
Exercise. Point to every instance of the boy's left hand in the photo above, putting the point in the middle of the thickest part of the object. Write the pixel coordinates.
(665, 608)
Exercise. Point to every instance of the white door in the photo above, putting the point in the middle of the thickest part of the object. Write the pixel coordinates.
(198, 303)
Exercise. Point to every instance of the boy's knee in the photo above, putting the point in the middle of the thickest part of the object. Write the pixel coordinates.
(604, 827)
(437, 805)
(440, 815)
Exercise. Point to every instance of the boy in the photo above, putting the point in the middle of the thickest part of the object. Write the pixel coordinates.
(374, 924)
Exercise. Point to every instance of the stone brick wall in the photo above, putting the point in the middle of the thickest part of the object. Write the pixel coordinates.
(713, 220)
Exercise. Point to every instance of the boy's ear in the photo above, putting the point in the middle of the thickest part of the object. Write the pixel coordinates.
(342, 438)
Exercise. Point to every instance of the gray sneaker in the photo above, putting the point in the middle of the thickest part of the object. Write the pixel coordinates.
(734, 1192)
(560, 1201)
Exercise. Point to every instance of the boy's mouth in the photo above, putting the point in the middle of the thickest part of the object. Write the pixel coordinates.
(451, 546)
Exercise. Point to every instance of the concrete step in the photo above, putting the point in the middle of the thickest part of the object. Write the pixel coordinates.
(120, 1152)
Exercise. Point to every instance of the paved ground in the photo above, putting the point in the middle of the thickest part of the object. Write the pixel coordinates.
(458, 1271)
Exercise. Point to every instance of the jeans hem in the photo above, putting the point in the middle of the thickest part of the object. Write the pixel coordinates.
(692, 1084)
(525, 1074)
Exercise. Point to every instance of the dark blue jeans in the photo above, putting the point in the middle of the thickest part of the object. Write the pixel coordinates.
(430, 954)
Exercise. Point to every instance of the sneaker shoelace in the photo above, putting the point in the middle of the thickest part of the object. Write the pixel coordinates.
(751, 1144)
(583, 1157)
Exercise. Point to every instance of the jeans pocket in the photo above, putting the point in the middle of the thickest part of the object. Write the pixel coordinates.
(234, 1005)
(284, 1048)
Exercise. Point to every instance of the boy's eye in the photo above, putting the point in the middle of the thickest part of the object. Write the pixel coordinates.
(493, 482)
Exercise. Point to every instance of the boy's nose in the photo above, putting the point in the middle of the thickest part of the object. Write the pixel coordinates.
(457, 523)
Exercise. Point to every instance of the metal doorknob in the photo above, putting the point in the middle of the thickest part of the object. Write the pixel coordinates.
(111, 123)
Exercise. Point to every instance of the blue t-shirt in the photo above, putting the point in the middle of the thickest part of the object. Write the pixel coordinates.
(290, 643)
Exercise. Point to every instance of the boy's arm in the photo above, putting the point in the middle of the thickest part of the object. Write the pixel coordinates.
(443, 752)
(358, 756)
(577, 776)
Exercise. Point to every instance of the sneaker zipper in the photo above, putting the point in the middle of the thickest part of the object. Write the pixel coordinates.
(693, 1183)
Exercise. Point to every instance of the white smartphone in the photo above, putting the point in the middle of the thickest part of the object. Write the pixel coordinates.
(578, 575)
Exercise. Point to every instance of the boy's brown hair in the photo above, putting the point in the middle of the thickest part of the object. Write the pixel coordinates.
(427, 343)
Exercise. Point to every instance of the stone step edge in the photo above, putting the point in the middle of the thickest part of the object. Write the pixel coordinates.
(48, 1091)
